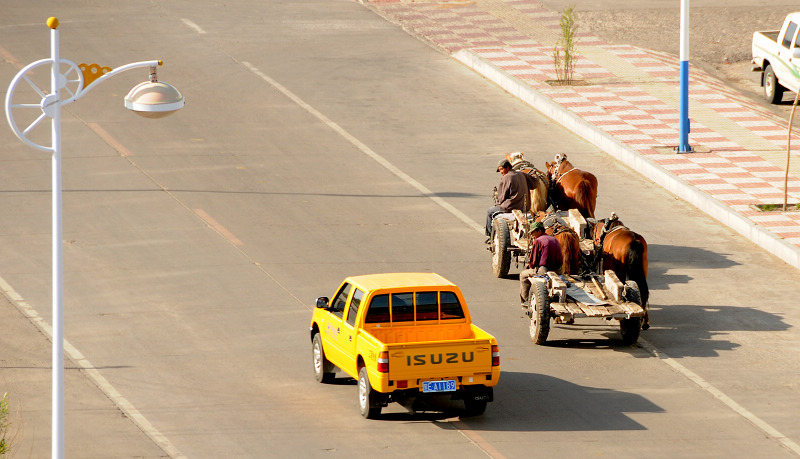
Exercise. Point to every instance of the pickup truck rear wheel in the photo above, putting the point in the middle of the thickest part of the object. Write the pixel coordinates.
(474, 407)
(540, 312)
(773, 91)
(323, 368)
(367, 398)
(501, 257)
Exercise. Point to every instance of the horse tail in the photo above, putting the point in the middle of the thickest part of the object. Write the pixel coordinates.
(585, 197)
(539, 197)
(636, 267)
(570, 251)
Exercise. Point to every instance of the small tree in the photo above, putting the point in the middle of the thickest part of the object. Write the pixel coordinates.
(4, 425)
(6, 435)
(565, 53)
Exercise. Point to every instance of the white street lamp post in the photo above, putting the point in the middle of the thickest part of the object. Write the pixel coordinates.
(152, 99)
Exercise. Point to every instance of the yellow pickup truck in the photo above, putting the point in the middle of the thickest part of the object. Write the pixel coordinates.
(404, 336)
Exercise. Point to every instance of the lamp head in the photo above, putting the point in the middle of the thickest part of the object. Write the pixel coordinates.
(154, 99)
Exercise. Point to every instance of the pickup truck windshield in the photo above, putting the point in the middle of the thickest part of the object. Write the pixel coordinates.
(789, 35)
(408, 307)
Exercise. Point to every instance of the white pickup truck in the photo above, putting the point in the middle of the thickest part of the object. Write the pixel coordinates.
(776, 54)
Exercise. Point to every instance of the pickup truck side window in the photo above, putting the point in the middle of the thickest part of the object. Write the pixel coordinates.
(354, 304)
(402, 307)
(451, 308)
(789, 35)
(340, 300)
(378, 311)
(427, 306)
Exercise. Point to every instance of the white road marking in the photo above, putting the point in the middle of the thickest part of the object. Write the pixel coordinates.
(688, 374)
(101, 382)
(719, 395)
(193, 26)
(368, 151)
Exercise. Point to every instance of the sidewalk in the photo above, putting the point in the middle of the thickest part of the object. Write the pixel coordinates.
(627, 105)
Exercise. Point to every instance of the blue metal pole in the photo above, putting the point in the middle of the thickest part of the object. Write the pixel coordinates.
(683, 145)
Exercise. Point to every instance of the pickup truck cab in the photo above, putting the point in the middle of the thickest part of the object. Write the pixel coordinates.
(776, 53)
(404, 336)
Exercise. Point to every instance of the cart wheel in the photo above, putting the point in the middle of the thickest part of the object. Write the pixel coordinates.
(540, 313)
(501, 257)
(630, 327)
(773, 91)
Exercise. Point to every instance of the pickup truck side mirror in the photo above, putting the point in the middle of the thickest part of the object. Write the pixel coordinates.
(322, 302)
(795, 53)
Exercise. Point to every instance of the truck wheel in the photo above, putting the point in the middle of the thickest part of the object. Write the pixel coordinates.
(630, 328)
(501, 258)
(367, 399)
(540, 313)
(323, 368)
(474, 407)
(773, 91)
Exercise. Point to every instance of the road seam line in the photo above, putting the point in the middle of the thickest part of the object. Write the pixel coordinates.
(367, 150)
(101, 382)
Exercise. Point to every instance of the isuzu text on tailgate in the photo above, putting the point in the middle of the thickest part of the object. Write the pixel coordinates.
(404, 336)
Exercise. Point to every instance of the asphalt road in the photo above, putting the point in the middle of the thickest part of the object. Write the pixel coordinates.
(319, 141)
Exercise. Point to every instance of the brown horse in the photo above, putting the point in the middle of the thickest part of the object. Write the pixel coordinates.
(537, 180)
(572, 188)
(625, 252)
(566, 237)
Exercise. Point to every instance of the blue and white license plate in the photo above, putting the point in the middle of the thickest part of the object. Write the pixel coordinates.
(448, 385)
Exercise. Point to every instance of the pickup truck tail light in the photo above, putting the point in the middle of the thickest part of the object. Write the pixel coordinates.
(383, 362)
(495, 356)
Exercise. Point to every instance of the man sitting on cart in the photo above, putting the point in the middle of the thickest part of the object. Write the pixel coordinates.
(545, 255)
(512, 194)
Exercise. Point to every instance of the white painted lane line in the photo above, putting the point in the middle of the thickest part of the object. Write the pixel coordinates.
(719, 395)
(755, 420)
(368, 151)
(193, 26)
(101, 382)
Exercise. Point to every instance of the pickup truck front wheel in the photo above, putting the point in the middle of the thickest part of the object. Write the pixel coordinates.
(323, 368)
(773, 91)
(367, 398)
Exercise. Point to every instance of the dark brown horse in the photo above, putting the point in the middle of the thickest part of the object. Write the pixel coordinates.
(566, 237)
(572, 188)
(625, 252)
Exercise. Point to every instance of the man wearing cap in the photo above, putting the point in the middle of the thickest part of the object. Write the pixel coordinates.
(545, 255)
(512, 193)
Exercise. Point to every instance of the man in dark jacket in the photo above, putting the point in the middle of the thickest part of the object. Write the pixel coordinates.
(512, 193)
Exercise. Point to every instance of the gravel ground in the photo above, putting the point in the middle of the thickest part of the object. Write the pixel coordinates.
(720, 38)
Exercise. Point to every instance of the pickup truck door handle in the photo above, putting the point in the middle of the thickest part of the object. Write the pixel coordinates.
(350, 338)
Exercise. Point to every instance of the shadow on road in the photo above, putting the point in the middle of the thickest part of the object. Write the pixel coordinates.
(530, 402)
(664, 258)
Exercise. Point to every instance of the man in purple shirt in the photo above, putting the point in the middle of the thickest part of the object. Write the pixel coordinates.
(512, 193)
(545, 255)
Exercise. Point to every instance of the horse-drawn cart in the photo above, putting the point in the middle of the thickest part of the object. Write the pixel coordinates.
(566, 298)
(511, 236)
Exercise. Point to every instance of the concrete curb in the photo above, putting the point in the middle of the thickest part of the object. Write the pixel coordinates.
(630, 157)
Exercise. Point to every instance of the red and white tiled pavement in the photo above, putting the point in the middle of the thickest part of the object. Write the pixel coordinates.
(631, 94)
